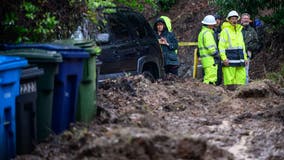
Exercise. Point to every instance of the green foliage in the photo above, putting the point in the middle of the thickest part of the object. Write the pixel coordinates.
(44, 20)
(38, 27)
(276, 19)
(10, 19)
(30, 10)
(46, 25)
(137, 4)
(253, 7)
(166, 4)
(277, 77)
(93, 5)
(241, 6)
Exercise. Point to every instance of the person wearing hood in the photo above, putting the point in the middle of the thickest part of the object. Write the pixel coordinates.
(250, 38)
(232, 52)
(208, 51)
(168, 44)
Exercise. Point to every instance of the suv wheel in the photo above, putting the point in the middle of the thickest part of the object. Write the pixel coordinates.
(148, 75)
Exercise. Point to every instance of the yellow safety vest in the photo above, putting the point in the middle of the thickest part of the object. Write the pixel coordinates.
(207, 46)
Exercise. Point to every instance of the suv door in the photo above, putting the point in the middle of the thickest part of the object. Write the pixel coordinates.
(120, 55)
(143, 34)
(126, 48)
(109, 55)
(145, 37)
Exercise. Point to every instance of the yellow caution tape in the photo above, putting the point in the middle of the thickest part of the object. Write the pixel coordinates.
(195, 59)
(182, 44)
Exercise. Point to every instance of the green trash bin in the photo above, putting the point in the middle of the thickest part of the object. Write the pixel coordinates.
(86, 108)
(48, 61)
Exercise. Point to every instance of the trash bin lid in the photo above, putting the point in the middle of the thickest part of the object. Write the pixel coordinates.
(35, 55)
(88, 45)
(66, 50)
(11, 62)
(31, 72)
(76, 42)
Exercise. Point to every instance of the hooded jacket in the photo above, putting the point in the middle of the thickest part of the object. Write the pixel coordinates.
(169, 26)
(168, 23)
(170, 57)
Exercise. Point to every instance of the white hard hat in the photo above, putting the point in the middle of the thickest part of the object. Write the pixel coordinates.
(209, 20)
(232, 14)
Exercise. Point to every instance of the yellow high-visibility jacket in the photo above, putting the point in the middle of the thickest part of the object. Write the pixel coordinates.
(231, 44)
(207, 47)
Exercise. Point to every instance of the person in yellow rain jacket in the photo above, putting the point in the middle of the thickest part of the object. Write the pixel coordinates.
(208, 51)
(232, 52)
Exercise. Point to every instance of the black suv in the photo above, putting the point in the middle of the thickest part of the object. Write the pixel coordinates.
(129, 46)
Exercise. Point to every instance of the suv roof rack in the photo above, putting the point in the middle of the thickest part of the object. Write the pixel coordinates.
(119, 8)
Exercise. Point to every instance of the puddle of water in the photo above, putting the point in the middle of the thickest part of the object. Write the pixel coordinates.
(226, 125)
(240, 150)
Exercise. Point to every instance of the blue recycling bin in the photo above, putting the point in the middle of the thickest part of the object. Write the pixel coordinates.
(66, 89)
(48, 61)
(66, 82)
(10, 71)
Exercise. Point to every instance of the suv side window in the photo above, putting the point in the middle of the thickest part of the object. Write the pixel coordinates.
(118, 28)
(149, 30)
(145, 31)
(137, 25)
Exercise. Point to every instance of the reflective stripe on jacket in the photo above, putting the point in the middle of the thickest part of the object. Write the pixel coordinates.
(207, 46)
(231, 44)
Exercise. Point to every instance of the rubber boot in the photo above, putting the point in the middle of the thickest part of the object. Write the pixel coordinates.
(231, 87)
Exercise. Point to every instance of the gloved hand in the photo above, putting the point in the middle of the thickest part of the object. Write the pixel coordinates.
(226, 62)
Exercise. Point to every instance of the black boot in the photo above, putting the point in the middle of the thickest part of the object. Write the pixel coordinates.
(231, 87)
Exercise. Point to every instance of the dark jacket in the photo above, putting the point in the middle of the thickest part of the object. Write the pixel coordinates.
(250, 38)
(217, 32)
(259, 28)
(169, 53)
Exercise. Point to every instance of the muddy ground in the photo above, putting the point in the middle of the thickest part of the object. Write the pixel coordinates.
(176, 119)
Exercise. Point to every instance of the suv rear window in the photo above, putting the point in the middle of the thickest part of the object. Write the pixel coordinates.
(140, 26)
(137, 25)
(118, 28)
